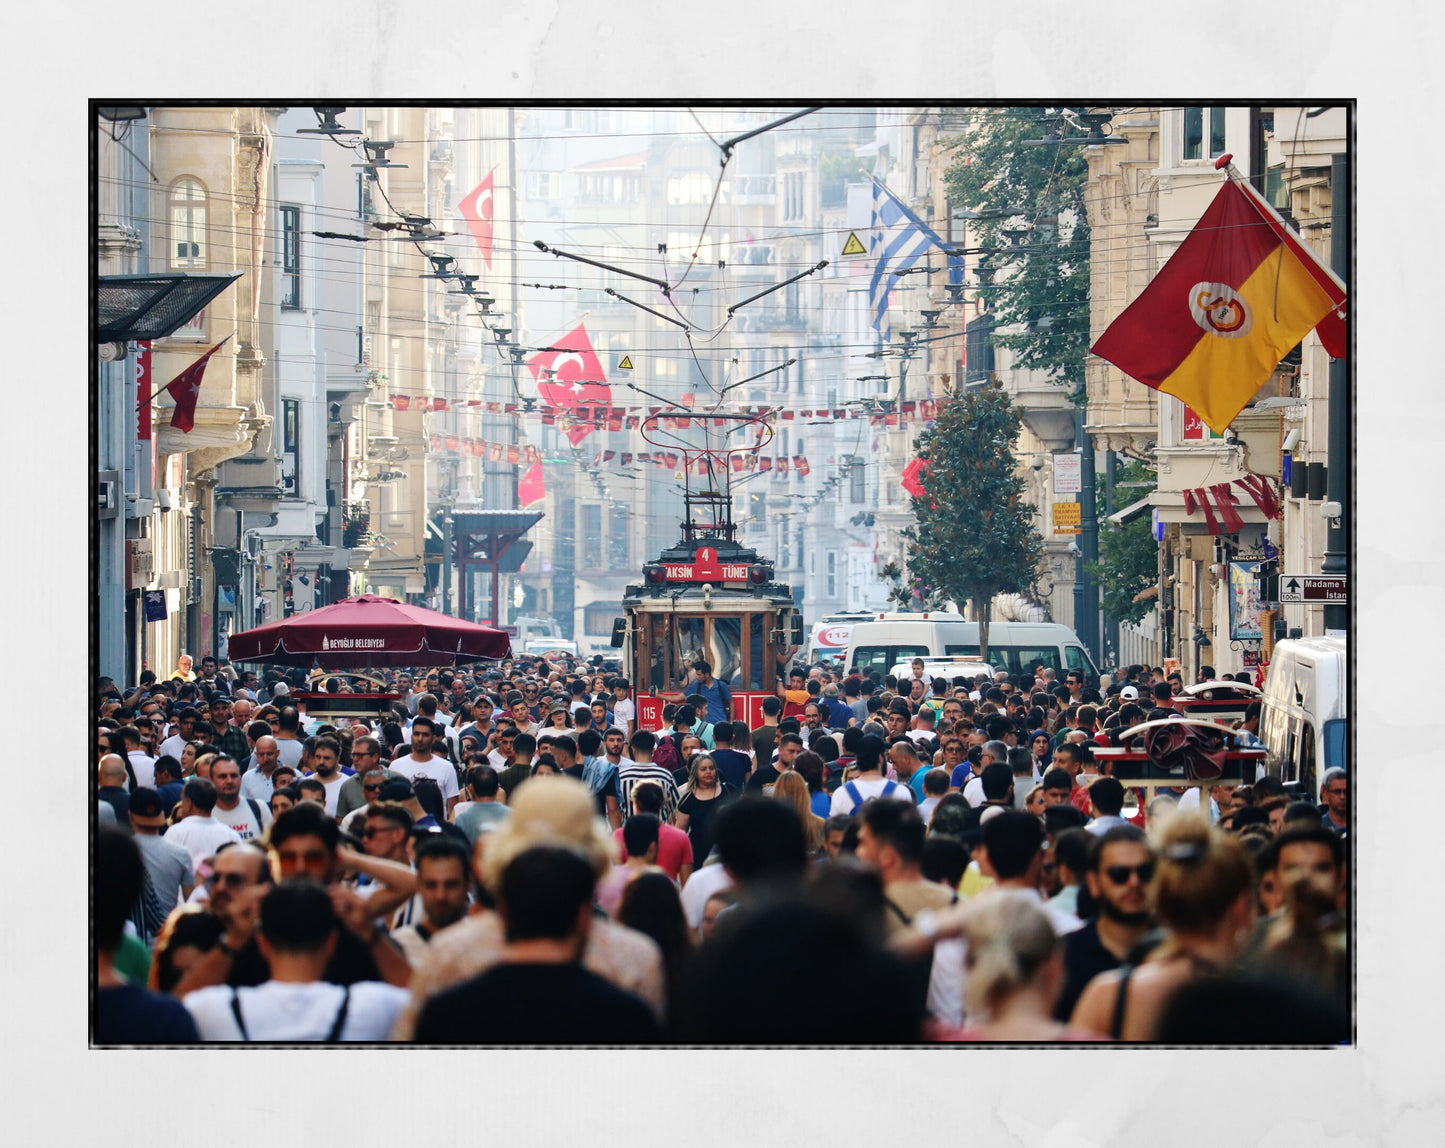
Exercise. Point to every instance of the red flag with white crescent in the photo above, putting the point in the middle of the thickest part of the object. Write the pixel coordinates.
(185, 389)
(476, 209)
(570, 376)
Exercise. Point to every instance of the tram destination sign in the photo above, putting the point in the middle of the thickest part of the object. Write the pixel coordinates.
(705, 567)
(1314, 587)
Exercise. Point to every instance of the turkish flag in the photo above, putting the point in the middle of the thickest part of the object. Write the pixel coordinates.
(576, 378)
(912, 478)
(531, 488)
(185, 388)
(476, 209)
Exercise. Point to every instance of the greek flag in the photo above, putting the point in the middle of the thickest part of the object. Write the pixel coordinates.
(899, 239)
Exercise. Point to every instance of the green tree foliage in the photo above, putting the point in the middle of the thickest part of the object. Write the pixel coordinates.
(1128, 555)
(974, 537)
(1040, 296)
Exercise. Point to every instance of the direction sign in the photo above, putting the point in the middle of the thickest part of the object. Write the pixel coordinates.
(1313, 587)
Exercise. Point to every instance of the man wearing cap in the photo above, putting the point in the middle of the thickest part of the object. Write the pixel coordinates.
(420, 762)
(170, 871)
(548, 811)
(198, 832)
(228, 737)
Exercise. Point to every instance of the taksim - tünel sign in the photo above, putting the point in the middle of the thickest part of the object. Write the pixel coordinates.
(705, 567)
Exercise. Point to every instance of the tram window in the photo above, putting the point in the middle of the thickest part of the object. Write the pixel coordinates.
(725, 653)
(660, 636)
(691, 647)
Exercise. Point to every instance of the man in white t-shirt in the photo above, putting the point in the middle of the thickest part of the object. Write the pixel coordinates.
(247, 816)
(175, 745)
(143, 765)
(868, 781)
(326, 756)
(198, 833)
(624, 709)
(420, 762)
(296, 933)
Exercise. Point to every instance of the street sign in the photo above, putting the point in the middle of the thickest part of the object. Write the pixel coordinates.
(1068, 518)
(1313, 587)
(1068, 473)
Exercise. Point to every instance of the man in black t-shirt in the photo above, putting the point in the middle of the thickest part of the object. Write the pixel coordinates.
(539, 993)
(732, 766)
(1120, 866)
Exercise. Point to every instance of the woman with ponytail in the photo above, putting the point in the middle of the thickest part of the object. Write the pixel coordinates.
(1014, 969)
(1202, 893)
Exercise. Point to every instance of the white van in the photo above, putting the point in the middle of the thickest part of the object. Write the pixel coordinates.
(890, 638)
(1304, 723)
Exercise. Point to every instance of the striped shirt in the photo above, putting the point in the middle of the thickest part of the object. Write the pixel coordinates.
(633, 772)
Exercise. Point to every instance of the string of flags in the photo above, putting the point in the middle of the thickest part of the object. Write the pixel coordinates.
(1217, 502)
(630, 418)
(675, 460)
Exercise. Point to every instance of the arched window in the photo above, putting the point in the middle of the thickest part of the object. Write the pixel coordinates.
(188, 224)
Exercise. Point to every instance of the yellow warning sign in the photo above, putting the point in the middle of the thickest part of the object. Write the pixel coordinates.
(854, 245)
(626, 364)
(1068, 518)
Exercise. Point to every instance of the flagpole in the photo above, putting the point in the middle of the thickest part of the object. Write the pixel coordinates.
(1267, 209)
(166, 389)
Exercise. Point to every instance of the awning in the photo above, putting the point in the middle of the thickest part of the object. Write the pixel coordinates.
(153, 306)
(1129, 513)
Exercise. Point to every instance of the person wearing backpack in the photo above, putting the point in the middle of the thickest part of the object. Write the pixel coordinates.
(868, 781)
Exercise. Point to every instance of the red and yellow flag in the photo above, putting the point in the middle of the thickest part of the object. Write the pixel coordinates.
(1236, 297)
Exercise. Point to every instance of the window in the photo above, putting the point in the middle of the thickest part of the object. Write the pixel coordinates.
(188, 224)
(617, 539)
(694, 187)
(544, 185)
(290, 440)
(793, 195)
(591, 534)
(832, 574)
(597, 617)
(291, 258)
(1203, 128)
(757, 513)
(884, 658)
(857, 483)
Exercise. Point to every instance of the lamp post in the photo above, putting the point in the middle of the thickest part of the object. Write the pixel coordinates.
(1336, 560)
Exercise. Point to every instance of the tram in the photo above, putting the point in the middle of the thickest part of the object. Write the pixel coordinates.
(708, 597)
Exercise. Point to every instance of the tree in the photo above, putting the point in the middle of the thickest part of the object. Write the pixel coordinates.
(1035, 230)
(1128, 556)
(974, 537)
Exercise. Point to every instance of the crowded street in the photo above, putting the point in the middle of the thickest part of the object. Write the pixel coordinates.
(722, 575)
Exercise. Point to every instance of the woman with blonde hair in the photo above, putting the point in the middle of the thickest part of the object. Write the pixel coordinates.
(1015, 968)
(1202, 892)
(791, 787)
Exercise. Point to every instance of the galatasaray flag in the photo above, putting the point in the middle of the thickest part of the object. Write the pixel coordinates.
(1215, 322)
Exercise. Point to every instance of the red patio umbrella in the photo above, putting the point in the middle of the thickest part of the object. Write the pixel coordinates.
(369, 631)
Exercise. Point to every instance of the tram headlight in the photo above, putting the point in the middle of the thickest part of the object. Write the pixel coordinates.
(654, 573)
(758, 574)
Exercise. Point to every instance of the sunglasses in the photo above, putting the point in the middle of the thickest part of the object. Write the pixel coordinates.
(230, 880)
(1119, 874)
(371, 788)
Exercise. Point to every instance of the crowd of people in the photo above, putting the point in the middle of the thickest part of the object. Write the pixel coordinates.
(501, 854)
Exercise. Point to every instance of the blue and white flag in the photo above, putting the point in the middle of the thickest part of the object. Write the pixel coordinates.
(899, 239)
